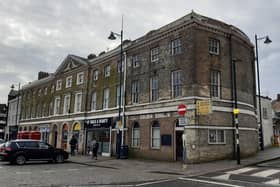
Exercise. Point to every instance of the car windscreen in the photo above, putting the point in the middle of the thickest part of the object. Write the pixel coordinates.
(31, 144)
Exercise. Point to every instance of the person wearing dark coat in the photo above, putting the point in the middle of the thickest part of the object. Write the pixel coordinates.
(73, 144)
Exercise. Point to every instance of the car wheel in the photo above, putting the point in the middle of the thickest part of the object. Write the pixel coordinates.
(20, 160)
(59, 158)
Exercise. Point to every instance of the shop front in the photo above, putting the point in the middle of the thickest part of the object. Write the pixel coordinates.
(45, 132)
(99, 130)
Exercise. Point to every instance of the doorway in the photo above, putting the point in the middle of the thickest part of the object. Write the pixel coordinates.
(179, 145)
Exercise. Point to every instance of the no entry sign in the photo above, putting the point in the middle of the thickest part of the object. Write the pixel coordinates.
(182, 109)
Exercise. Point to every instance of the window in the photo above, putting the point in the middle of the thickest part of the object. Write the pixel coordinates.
(68, 82)
(46, 91)
(106, 98)
(50, 108)
(155, 54)
(265, 115)
(176, 47)
(93, 101)
(154, 89)
(66, 106)
(78, 102)
(52, 89)
(120, 67)
(214, 46)
(58, 84)
(216, 136)
(56, 105)
(80, 78)
(135, 61)
(135, 135)
(39, 92)
(119, 96)
(215, 84)
(176, 83)
(44, 110)
(107, 71)
(135, 91)
(95, 75)
(155, 135)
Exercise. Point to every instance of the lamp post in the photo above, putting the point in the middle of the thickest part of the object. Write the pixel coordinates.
(267, 41)
(119, 133)
(236, 112)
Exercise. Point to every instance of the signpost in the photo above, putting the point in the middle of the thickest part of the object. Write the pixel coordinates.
(182, 109)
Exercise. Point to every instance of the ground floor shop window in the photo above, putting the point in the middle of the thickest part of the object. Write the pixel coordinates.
(135, 135)
(102, 136)
(155, 136)
(216, 136)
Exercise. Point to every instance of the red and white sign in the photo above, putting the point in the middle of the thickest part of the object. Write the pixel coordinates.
(182, 109)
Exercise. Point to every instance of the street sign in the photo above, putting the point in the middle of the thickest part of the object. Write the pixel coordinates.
(183, 121)
(182, 109)
(203, 107)
(236, 111)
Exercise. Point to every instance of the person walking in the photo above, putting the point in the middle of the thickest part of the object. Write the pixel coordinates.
(73, 144)
(94, 145)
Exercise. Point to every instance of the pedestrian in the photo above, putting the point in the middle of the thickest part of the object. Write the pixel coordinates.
(73, 144)
(94, 146)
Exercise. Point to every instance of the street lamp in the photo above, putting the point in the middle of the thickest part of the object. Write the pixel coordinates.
(236, 112)
(267, 41)
(119, 133)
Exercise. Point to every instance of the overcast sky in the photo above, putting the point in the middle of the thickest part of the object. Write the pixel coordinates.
(36, 35)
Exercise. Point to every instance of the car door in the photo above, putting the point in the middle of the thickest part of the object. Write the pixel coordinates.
(31, 149)
(46, 151)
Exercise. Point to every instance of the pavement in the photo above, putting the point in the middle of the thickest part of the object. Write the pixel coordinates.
(176, 168)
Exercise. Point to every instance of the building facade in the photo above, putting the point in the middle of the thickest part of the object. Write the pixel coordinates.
(189, 61)
(276, 120)
(3, 120)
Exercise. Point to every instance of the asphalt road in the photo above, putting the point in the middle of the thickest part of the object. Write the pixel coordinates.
(68, 174)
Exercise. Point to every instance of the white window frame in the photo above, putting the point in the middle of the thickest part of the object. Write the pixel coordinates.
(215, 81)
(106, 95)
(46, 91)
(176, 46)
(39, 92)
(68, 82)
(154, 54)
(78, 102)
(58, 85)
(214, 132)
(214, 46)
(118, 95)
(152, 137)
(177, 85)
(135, 142)
(135, 61)
(52, 88)
(135, 90)
(107, 71)
(66, 104)
(95, 75)
(56, 108)
(154, 89)
(80, 78)
(93, 101)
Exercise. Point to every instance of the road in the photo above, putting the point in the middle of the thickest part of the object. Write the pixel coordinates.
(77, 175)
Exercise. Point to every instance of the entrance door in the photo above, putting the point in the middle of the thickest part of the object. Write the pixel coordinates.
(179, 145)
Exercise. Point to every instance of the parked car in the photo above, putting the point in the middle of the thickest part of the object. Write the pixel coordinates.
(2, 146)
(20, 151)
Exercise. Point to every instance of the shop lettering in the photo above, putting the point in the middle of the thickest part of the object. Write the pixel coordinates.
(98, 121)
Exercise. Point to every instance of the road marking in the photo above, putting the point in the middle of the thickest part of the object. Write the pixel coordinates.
(154, 182)
(273, 182)
(49, 171)
(72, 169)
(242, 170)
(23, 172)
(222, 177)
(266, 173)
(209, 182)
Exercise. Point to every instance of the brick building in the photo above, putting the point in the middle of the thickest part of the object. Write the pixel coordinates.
(185, 62)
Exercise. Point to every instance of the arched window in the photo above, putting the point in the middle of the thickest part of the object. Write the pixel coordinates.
(155, 135)
(135, 135)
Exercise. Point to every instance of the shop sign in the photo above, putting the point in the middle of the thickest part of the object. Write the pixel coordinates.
(77, 127)
(98, 123)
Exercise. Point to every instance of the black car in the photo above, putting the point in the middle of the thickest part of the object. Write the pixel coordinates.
(20, 151)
